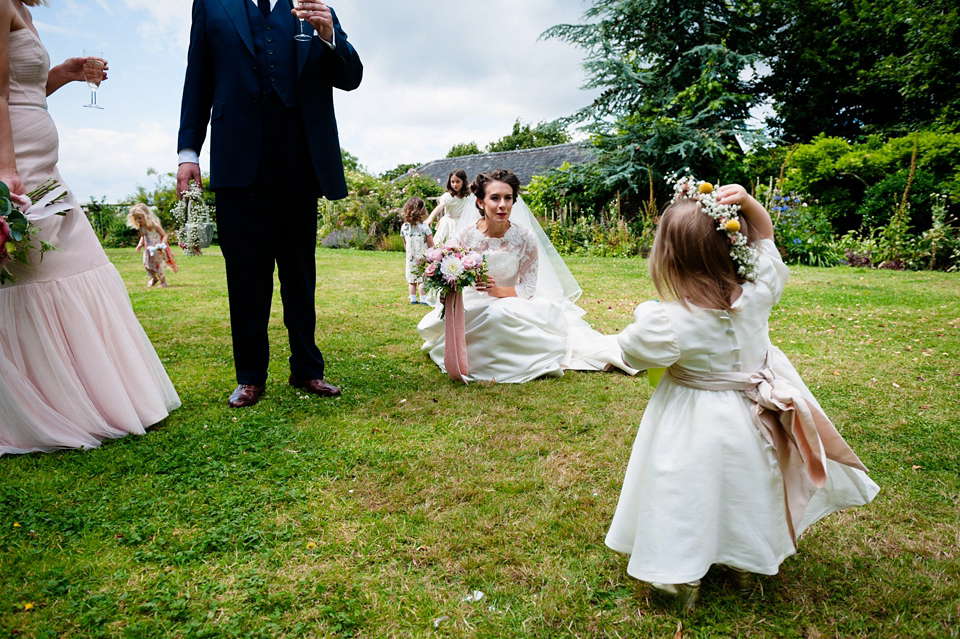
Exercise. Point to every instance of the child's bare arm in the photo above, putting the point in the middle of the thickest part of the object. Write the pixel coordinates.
(753, 211)
(430, 241)
(433, 214)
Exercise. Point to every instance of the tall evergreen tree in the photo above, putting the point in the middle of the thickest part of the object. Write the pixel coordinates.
(677, 84)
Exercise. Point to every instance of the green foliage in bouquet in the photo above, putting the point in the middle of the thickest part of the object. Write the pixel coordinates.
(17, 232)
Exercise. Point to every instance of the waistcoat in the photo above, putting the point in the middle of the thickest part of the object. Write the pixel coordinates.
(276, 51)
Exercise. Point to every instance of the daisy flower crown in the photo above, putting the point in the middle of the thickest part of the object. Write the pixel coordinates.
(725, 215)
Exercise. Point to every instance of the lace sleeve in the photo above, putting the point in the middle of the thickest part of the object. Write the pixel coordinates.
(529, 261)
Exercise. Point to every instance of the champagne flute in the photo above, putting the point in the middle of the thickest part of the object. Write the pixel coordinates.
(300, 36)
(93, 73)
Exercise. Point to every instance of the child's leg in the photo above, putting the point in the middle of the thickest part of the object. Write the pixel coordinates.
(412, 287)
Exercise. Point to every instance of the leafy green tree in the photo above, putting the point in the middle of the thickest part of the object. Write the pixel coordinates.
(848, 68)
(350, 161)
(397, 171)
(525, 136)
(676, 85)
(465, 148)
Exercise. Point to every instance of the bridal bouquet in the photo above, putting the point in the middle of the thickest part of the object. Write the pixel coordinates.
(450, 268)
(17, 230)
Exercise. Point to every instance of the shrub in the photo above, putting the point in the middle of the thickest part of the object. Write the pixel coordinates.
(392, 242)
(882, 198)
(836, 175)
(373, 204)
(938, 248)
(802, 232)
(349, 237)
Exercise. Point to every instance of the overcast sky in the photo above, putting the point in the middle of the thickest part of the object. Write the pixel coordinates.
(436, 73)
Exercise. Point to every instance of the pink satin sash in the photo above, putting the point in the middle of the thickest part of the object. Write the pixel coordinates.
(801, 434)
(455, 344)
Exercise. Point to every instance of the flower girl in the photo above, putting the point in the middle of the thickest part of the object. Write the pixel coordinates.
(417, 237)
(153, 243)
(734, 457)
(451, 204)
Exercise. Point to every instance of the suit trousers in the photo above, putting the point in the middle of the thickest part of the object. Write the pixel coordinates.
(273, 221)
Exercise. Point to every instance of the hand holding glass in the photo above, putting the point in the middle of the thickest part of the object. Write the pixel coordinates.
(93, 73)
(300, 36)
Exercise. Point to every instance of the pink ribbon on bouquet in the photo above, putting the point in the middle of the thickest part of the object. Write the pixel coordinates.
(455, 345)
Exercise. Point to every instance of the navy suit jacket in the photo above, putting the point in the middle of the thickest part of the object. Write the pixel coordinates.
(222, 87)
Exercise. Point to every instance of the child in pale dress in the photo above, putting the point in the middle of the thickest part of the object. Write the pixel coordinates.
(153, 243)
(734, 457)
(417, 238)
(452, 205)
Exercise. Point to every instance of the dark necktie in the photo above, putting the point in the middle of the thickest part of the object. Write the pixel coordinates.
(264, 7)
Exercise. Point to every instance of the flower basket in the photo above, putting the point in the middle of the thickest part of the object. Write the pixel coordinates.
(195, 230)
(204, 231)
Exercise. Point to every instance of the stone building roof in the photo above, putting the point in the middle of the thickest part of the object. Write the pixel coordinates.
(525, 163)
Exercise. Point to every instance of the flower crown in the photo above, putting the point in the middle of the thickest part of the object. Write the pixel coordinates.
(726, 217)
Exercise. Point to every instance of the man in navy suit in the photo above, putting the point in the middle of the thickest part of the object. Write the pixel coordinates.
(274, 150)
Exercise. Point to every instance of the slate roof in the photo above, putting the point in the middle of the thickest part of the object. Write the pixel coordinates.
(525, 163)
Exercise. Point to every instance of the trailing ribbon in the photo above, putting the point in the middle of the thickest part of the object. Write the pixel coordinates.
(800, 433)
(45, 206)
(455, 344)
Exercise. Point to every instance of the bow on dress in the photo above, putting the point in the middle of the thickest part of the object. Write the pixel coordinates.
(800, 433)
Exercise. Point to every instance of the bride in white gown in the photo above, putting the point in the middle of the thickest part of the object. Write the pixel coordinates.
(522, 323)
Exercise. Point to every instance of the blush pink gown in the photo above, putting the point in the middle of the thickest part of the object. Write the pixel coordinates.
(75, 365)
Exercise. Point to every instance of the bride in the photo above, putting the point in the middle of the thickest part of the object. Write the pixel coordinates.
(522, 322)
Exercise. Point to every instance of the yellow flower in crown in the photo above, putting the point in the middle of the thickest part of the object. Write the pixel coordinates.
(705, 188)
(733, 226)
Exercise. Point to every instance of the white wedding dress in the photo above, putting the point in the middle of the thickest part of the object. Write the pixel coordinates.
(541, 331)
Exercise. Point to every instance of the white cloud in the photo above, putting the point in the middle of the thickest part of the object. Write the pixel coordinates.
(113, 163)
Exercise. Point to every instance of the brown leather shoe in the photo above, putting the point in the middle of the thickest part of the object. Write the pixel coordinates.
(316, 386)
(246, 395)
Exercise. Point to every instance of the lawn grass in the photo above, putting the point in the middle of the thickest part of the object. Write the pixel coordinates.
(376, 514)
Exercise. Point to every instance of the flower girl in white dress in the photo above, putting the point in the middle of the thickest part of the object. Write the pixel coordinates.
(734, 457)
(452, 205)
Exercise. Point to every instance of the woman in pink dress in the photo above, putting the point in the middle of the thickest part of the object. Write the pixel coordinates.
(75, 366)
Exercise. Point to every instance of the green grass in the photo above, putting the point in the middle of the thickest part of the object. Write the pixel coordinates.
(375, 514)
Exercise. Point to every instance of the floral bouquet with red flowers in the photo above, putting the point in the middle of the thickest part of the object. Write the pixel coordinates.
(450, 268)
(17, 231)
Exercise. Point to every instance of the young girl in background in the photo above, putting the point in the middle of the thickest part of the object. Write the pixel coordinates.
(417, 238)
(451, 204)
(734, 457)
(153, 243)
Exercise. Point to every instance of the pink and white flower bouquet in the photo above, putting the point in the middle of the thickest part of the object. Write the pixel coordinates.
(450, 268)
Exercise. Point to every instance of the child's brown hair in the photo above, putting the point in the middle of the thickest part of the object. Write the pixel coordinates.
(690, 260)
(414, 211)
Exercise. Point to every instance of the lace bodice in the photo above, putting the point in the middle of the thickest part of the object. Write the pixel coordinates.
(511, 260)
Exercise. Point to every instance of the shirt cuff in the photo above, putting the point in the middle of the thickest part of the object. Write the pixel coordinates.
(330, 45)
(188, 155)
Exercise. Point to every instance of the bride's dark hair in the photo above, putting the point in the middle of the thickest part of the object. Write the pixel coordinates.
(479, 185)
